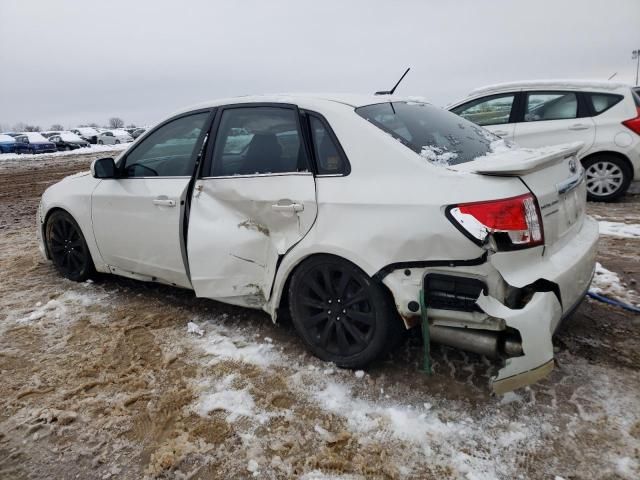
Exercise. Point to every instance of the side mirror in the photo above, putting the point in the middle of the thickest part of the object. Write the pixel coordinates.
(103, 168)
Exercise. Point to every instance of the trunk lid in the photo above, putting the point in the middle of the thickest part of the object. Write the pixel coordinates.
(554, 175)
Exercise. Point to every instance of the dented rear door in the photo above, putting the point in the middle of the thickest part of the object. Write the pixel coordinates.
(240, 222)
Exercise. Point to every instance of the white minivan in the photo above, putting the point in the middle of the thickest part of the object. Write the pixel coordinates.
(604, 116)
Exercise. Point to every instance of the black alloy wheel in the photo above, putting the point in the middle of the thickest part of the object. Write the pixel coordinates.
(68, 248)
(341, 313)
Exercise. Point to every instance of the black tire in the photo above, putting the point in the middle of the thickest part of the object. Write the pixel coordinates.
(100, 142)
(68, 248)
(362, 328)
(607, 176)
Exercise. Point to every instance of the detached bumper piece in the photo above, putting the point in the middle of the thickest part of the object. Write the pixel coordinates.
(535, 323)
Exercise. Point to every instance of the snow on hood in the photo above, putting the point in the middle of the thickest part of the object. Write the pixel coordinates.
(70, 137)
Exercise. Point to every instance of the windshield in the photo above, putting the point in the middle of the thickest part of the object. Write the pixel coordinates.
(439, 136)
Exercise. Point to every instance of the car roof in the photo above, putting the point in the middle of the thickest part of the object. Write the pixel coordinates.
(546, 84)
(305, 100)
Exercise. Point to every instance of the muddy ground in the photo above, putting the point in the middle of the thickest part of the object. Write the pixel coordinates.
(102, 380)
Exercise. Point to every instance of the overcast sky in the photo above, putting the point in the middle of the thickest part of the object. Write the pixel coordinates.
(69, 62)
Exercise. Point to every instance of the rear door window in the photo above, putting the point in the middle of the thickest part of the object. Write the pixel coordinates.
(541, 106)
(493, 110)
(258, 140)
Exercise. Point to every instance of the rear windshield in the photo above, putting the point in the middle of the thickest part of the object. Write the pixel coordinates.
(436, 134)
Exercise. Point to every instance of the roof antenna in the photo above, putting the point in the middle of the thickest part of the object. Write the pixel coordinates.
(390, 92)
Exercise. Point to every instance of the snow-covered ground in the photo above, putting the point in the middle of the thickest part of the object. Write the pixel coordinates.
(618, 229)
(88, 150)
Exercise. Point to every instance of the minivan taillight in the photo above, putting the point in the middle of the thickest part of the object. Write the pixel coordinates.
(512, 223)
(633, 123)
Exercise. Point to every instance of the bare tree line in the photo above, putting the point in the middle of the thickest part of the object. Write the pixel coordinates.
(114, 122)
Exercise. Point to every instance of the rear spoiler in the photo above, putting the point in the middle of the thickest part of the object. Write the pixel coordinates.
(519, 160)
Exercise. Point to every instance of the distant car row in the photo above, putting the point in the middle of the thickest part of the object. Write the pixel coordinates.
(54, 141)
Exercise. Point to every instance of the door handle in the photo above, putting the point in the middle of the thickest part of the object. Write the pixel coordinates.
(163, 201)
(579, 126)
(287, 207)
(501, 133)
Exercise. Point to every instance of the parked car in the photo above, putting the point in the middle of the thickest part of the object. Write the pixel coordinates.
(50, 134)
(21, 142)
(33, 142)
(604, 116)
(384, 208)
(7, 144)
(111, 137)
(89, 134)
(68, 141)
(137, 132)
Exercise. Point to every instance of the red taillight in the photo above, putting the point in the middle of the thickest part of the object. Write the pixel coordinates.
(633, 123)
(514, 222)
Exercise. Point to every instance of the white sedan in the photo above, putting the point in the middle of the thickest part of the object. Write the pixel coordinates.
(112, 137)
(361, 215)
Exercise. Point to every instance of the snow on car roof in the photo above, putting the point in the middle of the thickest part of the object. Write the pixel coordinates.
(6, 138)
(70, 137)
(35, 137)
(568, 83)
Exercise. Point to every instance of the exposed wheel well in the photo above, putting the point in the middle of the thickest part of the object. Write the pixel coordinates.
(619, 155)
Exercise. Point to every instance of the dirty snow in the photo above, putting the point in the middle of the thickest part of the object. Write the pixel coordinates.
(618, 229)
(608, 283)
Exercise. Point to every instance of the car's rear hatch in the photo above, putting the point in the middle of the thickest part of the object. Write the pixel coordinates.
(553, 175)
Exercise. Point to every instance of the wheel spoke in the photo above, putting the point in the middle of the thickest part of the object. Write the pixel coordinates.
(342, 285)
(343, 343)
(315, 287)
(362, 317)
(358, 297)
(326, 332)
(314, 320)
(326, 278)
(355, 333)
(310, 302)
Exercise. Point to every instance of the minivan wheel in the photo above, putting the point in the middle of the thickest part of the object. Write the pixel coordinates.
(607, 178)
(68, 248)
(342, 315)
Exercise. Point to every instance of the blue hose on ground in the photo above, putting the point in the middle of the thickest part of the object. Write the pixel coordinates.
(616, 303)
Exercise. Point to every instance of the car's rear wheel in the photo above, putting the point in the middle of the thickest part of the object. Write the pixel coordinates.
(117, 141)
(608, 178)
(342, 314)
(100, 142)
(68, 248)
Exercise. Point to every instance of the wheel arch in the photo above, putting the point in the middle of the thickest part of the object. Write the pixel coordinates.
(611, 153)
(282, 281)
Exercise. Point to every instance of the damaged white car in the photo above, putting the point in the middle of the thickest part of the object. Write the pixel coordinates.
(360, 214)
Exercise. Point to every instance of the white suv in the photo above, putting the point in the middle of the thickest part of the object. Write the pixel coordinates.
(604, 116)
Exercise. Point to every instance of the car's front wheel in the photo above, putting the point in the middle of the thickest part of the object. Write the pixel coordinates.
(100, 142)
(68, 248)
(342, 314)
(608, 178)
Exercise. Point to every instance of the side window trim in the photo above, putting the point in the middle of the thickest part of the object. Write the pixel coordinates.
(207, 167)
(343, 156)
(120, 166)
